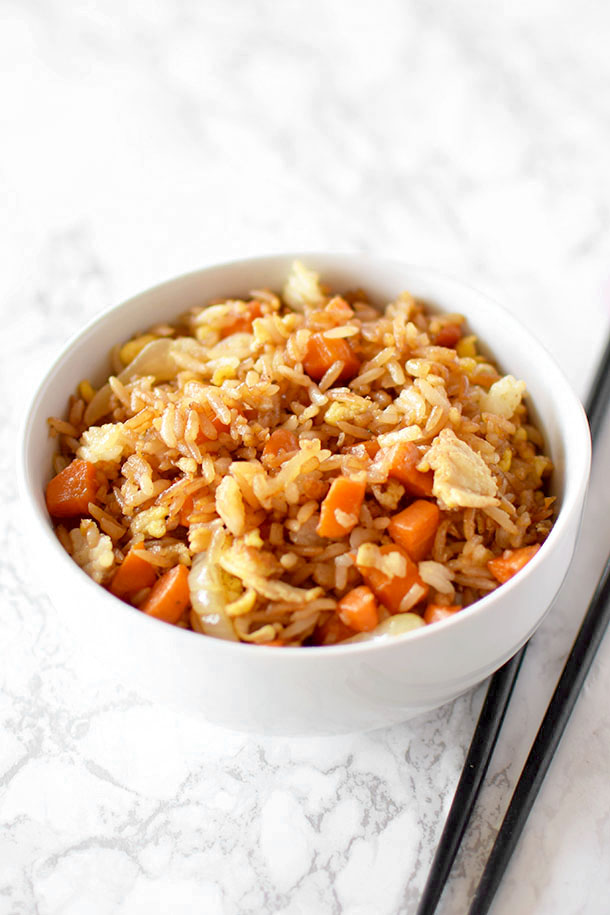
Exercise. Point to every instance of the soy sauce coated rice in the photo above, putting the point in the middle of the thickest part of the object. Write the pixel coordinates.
(178, 437)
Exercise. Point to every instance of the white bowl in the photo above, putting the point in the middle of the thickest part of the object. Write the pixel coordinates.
(327, 690)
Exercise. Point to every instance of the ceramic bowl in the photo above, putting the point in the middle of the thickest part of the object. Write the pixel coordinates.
(327, 690)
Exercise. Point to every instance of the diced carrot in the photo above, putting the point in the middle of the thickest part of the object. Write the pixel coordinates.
(280, 444)
(370, 448)
(133, 574)
(340, 509)
(185, 511)
(437, 612)
(339, 310)
(241, 322)
(69, 493)
(275, 643)
(323, 351)
(404, 460)
(449, 335)
(390, 590)
(358, 609)
(511, 561)
(170, 595)
(415, 528)
(331, 631)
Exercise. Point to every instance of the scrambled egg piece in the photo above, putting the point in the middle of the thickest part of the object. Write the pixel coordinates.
(347, 410)
(302, 287)
(461, 476)
(503, 397)
(243, 604)
(150, 522)
(103, 443)
(92, 550)
(230, 506)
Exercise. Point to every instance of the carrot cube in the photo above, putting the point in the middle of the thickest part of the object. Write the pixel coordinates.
(437, 612)
(340, 509)
(322, 352)
(69, 493)
(511, 561)
(391, 589)
(133, 574)
(404, 460)
(241, 321)
(279, 445)
(170, 595)
(415, 528)
(358, 609)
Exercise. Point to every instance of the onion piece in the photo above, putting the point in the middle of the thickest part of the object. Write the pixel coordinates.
(395, 625)
(208, 587)
(156, 359)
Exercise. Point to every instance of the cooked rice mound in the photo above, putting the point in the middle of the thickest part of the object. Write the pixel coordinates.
(326, 469)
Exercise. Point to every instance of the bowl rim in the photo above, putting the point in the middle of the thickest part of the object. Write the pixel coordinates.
(571, 415)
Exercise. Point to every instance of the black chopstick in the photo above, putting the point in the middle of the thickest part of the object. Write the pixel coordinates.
(547, 740)
(475, 766)
(494, 709)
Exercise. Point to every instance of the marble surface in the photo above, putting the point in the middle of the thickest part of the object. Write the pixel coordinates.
(143, 139)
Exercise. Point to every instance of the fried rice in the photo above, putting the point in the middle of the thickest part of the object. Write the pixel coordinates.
(280, 449)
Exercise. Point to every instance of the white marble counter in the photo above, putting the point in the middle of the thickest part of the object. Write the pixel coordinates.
(143, 139)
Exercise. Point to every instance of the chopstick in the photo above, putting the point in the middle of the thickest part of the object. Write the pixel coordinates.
(489, 723)
(547, 740)
(475, 766)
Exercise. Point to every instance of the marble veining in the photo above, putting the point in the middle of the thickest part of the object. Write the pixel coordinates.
(142, 140)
